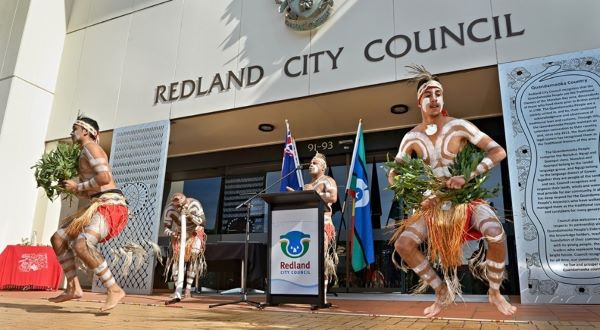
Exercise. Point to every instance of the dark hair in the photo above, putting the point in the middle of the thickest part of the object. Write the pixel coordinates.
(424, 80)
(89, 121)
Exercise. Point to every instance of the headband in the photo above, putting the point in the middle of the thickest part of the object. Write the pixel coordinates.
(425, 86)
(88, 128)
(320, 158)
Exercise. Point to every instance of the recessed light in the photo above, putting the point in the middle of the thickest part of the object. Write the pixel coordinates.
(266, 127)
(399, 109)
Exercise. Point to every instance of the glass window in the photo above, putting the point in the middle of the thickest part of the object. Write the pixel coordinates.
(340, 175)
(389, 209)
(207, 191)
(237, 190)
(271, 178)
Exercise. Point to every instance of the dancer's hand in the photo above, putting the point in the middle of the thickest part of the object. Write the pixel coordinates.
(456, 182)
(70, 185)
(429, 202)
(391, 176)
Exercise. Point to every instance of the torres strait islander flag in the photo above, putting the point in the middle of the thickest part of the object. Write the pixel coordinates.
(358, 186)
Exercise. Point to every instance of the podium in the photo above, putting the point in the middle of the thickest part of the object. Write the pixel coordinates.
(295, 248)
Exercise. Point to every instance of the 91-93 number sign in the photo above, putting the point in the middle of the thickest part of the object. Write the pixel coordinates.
(327, 146)
(321, 146)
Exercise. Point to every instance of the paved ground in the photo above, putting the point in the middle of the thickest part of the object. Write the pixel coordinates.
(30, 310)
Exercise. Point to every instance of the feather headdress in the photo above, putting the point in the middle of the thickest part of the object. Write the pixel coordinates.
(419, 73)
(424, 78)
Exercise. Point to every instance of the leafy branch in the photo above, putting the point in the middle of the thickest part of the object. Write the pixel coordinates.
(414, 180)
(56, 166)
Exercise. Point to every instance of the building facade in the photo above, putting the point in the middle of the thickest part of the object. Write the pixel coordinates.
(220, 70)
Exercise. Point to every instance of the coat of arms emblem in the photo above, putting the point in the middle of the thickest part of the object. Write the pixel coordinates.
(304, 15)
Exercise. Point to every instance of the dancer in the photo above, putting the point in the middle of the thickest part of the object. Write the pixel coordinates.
(326, 187)
(103, 219)
(437, 140)
(191, 210)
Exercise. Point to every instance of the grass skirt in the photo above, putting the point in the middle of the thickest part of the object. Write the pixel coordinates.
(448, 230)
(195, 260)
(331, 257)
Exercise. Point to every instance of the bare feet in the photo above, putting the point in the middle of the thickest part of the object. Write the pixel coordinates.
(441, 301)
(187, 293)
(114, 296)
(73, 291)
(173, 299)
(501, 304)
(66, 296)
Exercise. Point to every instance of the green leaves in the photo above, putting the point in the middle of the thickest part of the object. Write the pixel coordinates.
(465, 163)
(56, 166)
(414, 180)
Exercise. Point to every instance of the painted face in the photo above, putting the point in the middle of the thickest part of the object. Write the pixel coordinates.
(432, 101)
(178, 200)
(76, 133)
(315, 166)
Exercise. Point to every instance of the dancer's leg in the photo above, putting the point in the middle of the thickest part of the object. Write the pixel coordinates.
(488, 224)
(85, 248)
(331, 257)
(66, 258)
(407, 246)
(191, 275)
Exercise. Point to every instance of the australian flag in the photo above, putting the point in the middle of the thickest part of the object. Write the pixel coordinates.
(290, 163)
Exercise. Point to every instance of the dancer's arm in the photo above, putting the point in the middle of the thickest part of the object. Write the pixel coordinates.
(170, 214)
(99, 162)
(494, 153)
(196, 213)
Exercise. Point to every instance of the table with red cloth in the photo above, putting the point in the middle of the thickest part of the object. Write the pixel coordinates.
(29, 268)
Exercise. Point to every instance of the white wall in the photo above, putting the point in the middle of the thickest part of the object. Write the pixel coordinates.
(207, 45)
(118, 51)
(4, 90)
(12, 23)
(30, 66)
(150, 56)
(552, 27)
(21, 144)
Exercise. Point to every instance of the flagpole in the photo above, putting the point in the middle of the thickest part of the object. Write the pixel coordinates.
(296, 159)
(350, 247)
(297, 163)
(350, 229)
(356, 142)
(287, 129)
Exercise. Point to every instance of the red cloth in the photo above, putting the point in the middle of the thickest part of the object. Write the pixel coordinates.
(198, 232)
(116, 219)
(29, 268)
(471, 234)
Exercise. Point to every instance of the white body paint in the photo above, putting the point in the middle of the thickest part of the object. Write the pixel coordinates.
(438, 156)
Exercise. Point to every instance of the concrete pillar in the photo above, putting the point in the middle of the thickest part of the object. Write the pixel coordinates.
(32, 34)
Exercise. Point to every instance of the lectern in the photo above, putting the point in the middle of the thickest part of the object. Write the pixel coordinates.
(295, 246)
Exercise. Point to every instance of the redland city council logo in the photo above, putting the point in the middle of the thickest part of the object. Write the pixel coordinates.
(294, 244)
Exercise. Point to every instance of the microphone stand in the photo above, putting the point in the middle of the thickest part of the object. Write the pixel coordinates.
(248, 204)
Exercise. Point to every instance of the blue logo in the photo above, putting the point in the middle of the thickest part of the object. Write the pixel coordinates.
(294, 244)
